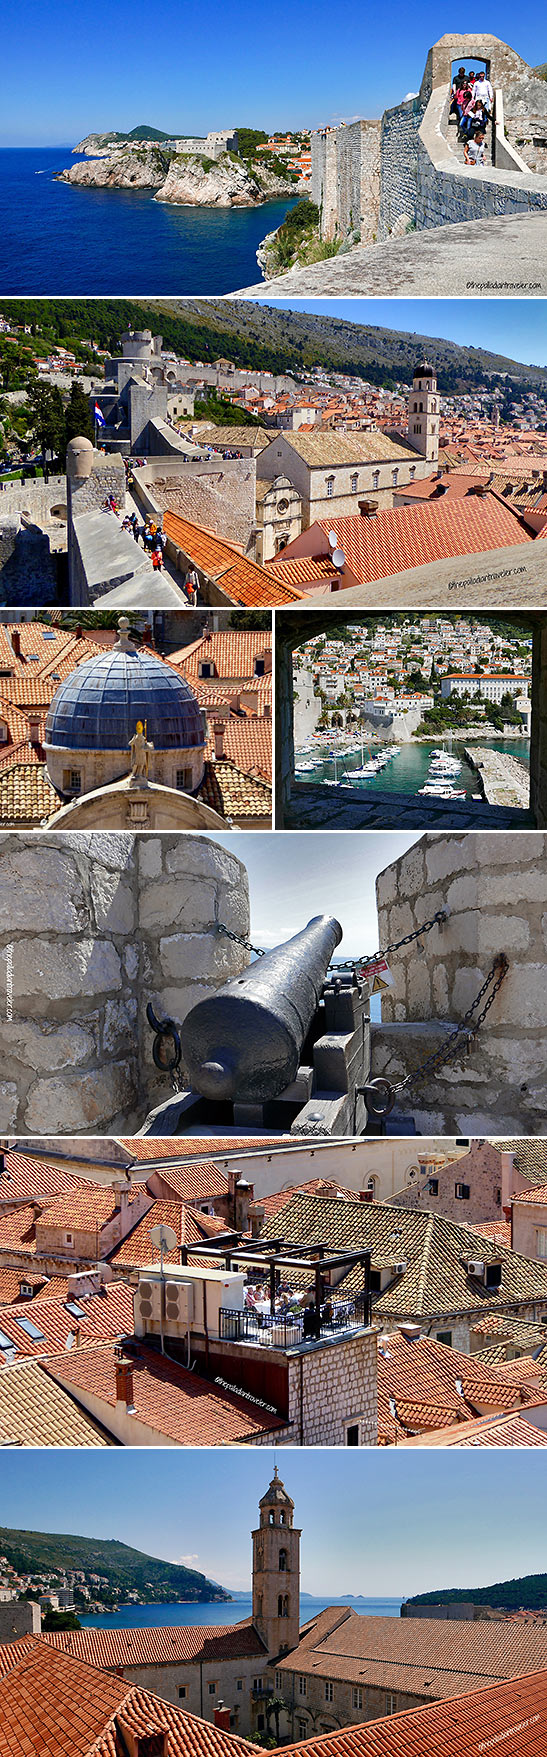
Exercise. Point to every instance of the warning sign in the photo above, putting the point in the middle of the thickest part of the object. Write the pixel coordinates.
(378, 975)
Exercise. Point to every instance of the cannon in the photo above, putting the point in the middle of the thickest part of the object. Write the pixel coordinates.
(243, 1043)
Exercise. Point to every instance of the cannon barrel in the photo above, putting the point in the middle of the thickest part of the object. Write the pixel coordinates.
(244, 1042)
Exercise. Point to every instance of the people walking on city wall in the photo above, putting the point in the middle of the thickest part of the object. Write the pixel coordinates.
(474, 153)
(483, 90)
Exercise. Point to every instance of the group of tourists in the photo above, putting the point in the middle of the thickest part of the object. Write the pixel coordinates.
(472, 102)
(151, 536)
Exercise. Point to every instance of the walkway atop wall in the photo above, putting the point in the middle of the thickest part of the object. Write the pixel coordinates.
(313, 807)
(507, 254)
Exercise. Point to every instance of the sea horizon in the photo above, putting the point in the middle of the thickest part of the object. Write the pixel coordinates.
(129, 246)
(211, 1614)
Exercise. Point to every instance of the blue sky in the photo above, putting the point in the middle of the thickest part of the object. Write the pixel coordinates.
(299, 874)
(378, 1523)
(70, 69)
(515, 327)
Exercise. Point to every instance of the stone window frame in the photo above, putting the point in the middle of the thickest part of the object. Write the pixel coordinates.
(239, 1683)
(329, 484)
(212, 1687)
(183, 1692)
(541, 1238)
(302, 1685)
(354, 1421)
(357, 1696)
(329, 1690)
(353, 482)
(391, 1704)
(462, 1192)
(444, 1336)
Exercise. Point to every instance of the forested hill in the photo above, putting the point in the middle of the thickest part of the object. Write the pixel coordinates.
(33, 1551)
(268, 338)
(529, 1593)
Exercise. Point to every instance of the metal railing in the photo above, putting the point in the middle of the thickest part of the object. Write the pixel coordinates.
(288, 1330)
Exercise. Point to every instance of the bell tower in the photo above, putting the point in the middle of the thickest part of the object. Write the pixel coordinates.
(276, 1571)
(423, 412)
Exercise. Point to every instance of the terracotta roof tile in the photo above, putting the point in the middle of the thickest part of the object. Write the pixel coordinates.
(187, 1410)
(108, 1648)
(243, 581)
(510, 1716)
(413, 536)
(34, 1411)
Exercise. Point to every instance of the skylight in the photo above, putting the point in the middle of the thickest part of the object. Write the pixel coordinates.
(75, 1310)
(6, 1344)
(30, 1329)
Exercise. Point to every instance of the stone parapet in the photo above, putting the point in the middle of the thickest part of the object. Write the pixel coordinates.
(92, 928)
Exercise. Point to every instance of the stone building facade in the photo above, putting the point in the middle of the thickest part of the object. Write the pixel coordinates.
(496, 891)
(334, 472)
(469, 1188)
(92, 929)
(278, 516)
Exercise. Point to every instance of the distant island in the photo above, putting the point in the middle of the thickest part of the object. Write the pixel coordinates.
(529, 1593)
(117, 1573)
(229, 168)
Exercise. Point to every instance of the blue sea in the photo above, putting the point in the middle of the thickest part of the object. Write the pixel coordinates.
(409, 770)
(170, 1616)
(58, 240)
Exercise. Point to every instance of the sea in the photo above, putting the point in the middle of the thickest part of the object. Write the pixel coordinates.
(57, 239)
(169, 1616)
(408, 771)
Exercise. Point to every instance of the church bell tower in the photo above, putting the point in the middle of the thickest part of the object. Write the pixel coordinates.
(423, 412)
(276, 1571)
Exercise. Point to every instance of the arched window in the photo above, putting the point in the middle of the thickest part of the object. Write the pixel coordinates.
(353, 484)
(282, 1520)
(330, 487)
(395, 478)
(376, 479)
(282, 1561)
(283, 1604)
(412, 472)
(272, 1519)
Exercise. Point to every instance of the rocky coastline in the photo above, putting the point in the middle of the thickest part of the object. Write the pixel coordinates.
(183, 179)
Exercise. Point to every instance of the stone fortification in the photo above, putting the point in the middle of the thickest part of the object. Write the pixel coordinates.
(496, 890)
(92, 927)
(215, 492)
(401, 173)
(28, 570)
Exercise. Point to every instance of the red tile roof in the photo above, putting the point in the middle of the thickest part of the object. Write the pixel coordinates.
(243, 581)
(197, 1182)
(316, 1186)
(412, 536)
(52, 1705)
(136, 1250)
(103, 1315)
(150, 1148)
(420, 1657)
(109, 1648)
(177, 1403)
(505, 1720)
(32, 1178)
(232, 652)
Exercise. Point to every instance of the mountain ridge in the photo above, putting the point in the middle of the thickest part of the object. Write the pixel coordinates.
(36, 1551)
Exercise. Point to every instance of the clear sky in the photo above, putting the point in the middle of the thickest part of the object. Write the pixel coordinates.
(515, 327)
(299, 874)
(69, 69)
(378, 1522)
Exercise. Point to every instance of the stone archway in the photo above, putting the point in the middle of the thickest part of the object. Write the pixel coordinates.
(294, 628)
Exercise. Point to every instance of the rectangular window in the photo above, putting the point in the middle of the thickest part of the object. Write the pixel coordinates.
(433, 1186)
(329, 1691)
(541, 1248)
(444, 1336)
(75, 780)
(493, 1275)
(353, 484)
(302, 1729)
(69, 1238)
(357, 1698)
(462, 1192)
(184, 780)
(302, 1687)
(183, 1692)
(352, 1434)
(257, 1683)
(239, 1685)
(212, 1689)
(391, 1703)
(278, 1681)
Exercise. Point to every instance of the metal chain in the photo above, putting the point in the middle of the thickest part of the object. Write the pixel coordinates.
(370, 958)
(467, 1028)
(239, 939)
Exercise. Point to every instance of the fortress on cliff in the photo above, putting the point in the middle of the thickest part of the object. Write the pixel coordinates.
(376, 179)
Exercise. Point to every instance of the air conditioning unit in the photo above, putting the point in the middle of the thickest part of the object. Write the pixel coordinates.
(179, 1304)
(475, 1267)
(146, 1306)
(400, 1268)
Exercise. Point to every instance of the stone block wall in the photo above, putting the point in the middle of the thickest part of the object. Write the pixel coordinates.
(480, 1171)
(330, 1386)
(91, 929)
(496, 890)
(398, 166)
(447, 192)
(358, 179)
(220, 494)
(34, 498)
(28, 570)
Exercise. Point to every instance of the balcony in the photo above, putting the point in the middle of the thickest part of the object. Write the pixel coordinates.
(336, 1318)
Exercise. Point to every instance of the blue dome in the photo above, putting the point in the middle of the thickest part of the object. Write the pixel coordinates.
(98, 706)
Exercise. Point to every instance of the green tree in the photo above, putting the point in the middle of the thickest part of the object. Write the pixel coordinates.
(78, 422)
(61, 1620)
(47, 418)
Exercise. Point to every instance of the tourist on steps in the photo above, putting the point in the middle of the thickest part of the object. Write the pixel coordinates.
(483, 90)
(474, 150)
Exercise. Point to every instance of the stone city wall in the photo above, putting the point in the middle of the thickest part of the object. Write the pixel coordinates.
(398, 167)
(218, 493)
(496, 890)
(28, 569)
(33, 499)
(447, 192)
(92, 929)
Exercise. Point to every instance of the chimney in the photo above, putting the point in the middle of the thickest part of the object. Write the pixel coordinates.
(244, 1195)
(366, 1195)
(222, 1717)
(79, 633)
(122, 1193)
(411, 1332)
(16, 642)
(33, 721)
(267, 657)
(218, 729)
(124, 1379)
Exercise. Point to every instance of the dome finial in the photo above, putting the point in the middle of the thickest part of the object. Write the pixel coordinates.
(123, 635)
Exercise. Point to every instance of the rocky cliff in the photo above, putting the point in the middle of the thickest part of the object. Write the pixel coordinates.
(186, 179)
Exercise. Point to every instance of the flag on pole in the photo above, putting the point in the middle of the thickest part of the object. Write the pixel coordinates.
(99, 417)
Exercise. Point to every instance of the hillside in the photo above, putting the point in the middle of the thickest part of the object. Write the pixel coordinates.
(267, 338)
(529, 1593)
(126, 1568)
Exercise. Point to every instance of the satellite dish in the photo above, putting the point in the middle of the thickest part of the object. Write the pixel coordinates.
(338, 558)
(333, 539)
(164, 1235)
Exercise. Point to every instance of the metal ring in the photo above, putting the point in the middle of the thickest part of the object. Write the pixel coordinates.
(378, 1086)
(164, 1028)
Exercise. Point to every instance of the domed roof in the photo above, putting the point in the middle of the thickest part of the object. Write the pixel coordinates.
(98, 706)
(424, 369)
(276, 1494)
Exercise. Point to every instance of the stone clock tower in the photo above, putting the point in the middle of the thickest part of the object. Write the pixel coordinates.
(276, 1571)
(423, 412)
